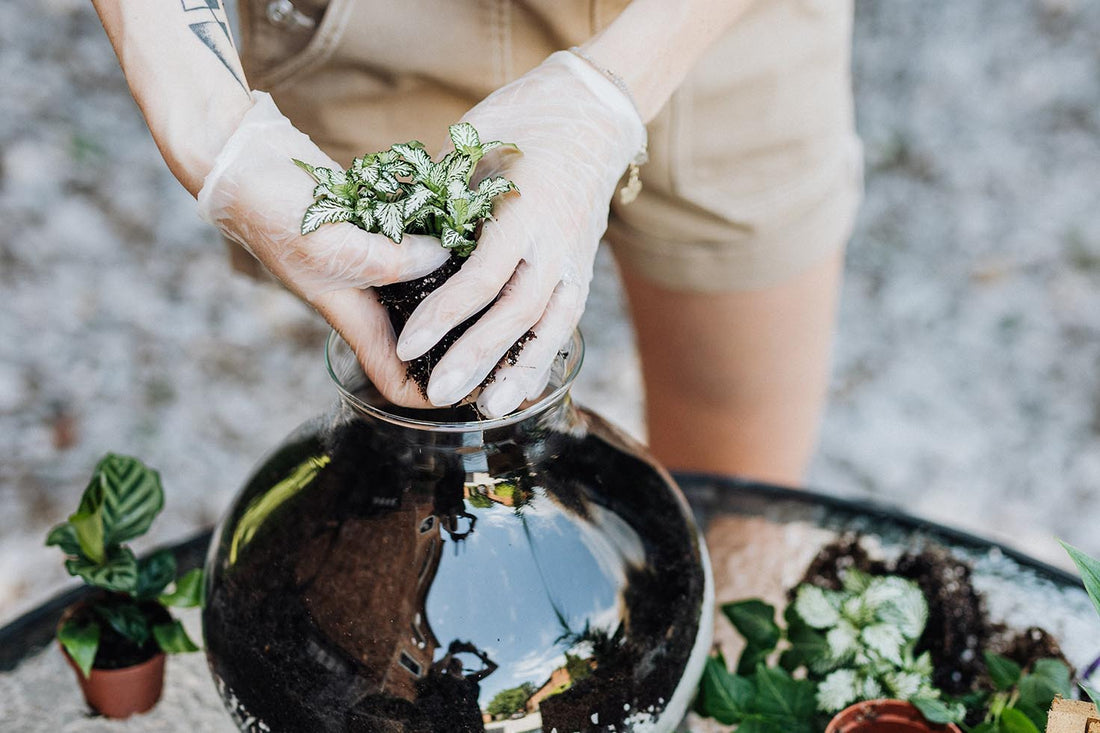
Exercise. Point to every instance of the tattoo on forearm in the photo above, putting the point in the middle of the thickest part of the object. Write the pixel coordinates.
(214, 33)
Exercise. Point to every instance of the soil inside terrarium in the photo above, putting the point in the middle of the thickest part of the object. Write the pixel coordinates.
(958, 628)
(402, 298)
(115, 650)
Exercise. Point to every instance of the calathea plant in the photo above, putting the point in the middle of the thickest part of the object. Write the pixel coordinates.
(403, 191)
(120, 503)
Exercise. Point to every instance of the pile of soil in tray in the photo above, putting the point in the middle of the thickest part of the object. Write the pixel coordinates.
(958, 628)
(401, 299)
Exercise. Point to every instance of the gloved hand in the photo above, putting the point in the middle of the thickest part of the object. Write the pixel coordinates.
(257, 197)
(577, 132)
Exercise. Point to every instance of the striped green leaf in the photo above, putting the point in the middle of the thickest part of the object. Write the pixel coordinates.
(155, 573)
(127, 619)
(118, 573)
(88, 528)
(81, 641)
(128, 496)
(64, 536)
(188, 592)
(173, 639)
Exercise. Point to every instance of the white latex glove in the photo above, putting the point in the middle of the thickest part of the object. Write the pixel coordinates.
(577, 132)
(257, 197)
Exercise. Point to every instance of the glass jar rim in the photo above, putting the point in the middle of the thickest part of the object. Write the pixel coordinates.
(572, 357)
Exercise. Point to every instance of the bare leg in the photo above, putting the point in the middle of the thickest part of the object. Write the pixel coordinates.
(736, 382)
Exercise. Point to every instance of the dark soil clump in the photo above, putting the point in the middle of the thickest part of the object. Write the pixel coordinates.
(401, 299)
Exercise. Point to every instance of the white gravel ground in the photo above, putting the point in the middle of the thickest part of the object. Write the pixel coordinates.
(967, 385)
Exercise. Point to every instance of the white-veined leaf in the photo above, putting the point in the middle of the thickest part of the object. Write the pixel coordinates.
(843, 642)
(416, 200)
(900, 603)
(390, 217)
(838, 690)
(904, 685)
(855, 581)
(463, 135)
(326, 211)
(457, 167)
(453, 240)
(64, 536)
(885, 640)
(413, 152)
(816, 608)
(364, 213)
(495, 186)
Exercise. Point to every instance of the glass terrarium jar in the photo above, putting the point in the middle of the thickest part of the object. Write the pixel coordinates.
(400, 570)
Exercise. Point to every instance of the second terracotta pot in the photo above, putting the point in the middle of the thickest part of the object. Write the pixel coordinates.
(885, 716)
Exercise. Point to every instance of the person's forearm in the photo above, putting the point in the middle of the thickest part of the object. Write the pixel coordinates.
(182, 67)
(653, 44)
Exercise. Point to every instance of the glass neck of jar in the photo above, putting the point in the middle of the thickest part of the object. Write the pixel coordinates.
(458, 428)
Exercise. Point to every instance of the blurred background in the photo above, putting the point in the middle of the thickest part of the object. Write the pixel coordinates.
(967, 382)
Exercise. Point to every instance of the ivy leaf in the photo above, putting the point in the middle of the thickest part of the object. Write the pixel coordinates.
(1003, 671)
(127, 619)
(1013, 721)
(937, 711)
(1048, 678)
(777, 693)
(1090, 573)
(755, 620)
(808, 646)
(64, 536)
(173, 639)
(118, 572)
(725, 697)
(188, 592)
(81, 641)
(155, 573)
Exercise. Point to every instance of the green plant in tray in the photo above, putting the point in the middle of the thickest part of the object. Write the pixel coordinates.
(120, 503)
(838, 647)
(1089, 568)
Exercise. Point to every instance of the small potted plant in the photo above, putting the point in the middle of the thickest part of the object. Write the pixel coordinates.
(116, 637)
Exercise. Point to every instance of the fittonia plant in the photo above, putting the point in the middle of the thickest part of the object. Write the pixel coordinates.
(403, 191)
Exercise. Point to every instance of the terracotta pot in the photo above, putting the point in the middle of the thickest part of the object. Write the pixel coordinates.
(884, 716)
(119, 693)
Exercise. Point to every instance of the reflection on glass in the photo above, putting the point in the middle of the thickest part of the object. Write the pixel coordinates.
(571, 595)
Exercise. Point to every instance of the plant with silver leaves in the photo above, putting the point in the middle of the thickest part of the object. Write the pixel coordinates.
(403, 191)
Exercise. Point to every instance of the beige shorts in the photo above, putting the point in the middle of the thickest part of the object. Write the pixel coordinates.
(755, 167)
